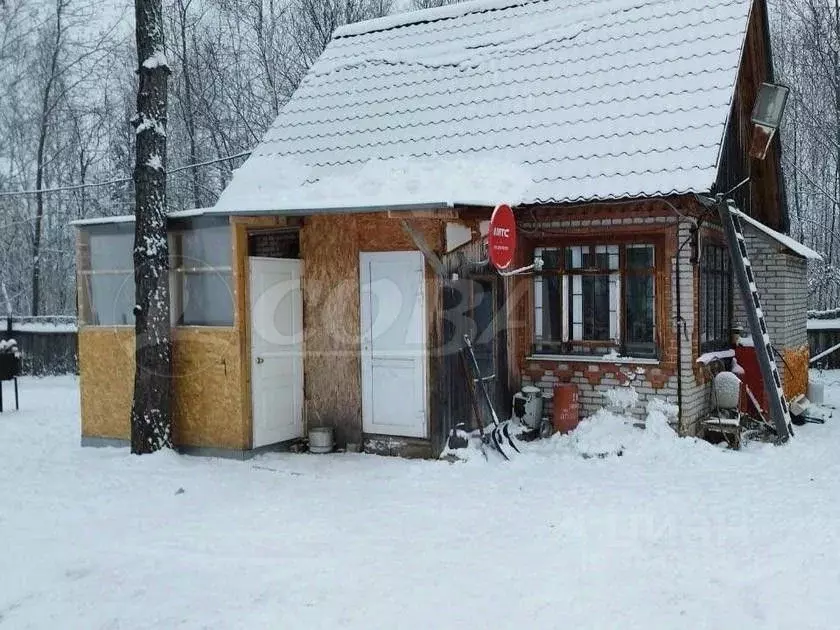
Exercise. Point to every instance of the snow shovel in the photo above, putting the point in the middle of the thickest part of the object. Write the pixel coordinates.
(457, 435)
(499, 433)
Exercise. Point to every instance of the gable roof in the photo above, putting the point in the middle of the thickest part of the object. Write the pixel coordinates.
(524, 101)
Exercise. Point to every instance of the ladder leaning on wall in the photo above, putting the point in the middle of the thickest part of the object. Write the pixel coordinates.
(779, 410)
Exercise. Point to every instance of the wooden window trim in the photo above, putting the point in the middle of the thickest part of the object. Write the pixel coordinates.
(622, 236)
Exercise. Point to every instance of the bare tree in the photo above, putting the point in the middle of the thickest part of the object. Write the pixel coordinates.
(429, 4)
(151, 413)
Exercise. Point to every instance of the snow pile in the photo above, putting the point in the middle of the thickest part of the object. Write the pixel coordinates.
(621, 398)
(9, 347)
(156, 60)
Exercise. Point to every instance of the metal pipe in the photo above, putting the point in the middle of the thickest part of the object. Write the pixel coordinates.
(822, 355)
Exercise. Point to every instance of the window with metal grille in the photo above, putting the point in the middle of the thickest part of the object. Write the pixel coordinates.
(596, 300)
(715, 298)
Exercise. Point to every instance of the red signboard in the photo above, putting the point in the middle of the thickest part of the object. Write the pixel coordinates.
(501, 241)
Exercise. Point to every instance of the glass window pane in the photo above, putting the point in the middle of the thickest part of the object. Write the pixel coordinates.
(111, 299)
(206, 299)
(640, 257)
(552, 311)
(551, 258)
(204, 247)
(575, 257)
(112, 250)
(596, 308)
(640, 309)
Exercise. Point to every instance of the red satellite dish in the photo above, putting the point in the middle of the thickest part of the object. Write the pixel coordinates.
(501, 240)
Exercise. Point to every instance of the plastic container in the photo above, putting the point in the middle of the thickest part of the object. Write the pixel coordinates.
(528, 406)
(816, 392)
(321, 440)
(566, 407)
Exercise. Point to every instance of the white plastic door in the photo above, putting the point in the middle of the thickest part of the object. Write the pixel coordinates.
(276, 350)
(393, 338)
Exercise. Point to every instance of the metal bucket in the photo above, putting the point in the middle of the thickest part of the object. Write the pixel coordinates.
(321, 440)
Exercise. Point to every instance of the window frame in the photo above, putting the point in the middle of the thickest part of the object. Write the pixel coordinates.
(622, 346)
(85, 274)
(177, 272)
(724, 342)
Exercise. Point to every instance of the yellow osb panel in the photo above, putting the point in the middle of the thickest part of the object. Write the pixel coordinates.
(795, 368)
(206, 397)
(330, 247)
(330, 252)
(106, 374)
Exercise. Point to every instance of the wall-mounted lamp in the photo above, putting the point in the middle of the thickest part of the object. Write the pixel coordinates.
(767, 117)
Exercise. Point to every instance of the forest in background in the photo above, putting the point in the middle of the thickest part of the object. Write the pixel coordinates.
(68, 89)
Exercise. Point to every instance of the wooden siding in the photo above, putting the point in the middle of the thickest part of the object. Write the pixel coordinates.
(764, 197)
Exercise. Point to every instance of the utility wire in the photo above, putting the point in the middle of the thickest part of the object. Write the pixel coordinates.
(121, 180)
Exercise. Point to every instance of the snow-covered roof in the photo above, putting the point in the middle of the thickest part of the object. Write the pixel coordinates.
(824, 324)
(523, 101)
(129, 218)
(782, 239)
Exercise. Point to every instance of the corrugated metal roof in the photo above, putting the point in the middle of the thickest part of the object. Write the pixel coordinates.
(518, 101)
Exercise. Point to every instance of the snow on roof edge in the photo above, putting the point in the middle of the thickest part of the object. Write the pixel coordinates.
(782, 239)
(446, 12)
(129, 218)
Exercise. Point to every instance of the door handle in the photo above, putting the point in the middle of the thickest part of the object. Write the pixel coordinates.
(260, 360)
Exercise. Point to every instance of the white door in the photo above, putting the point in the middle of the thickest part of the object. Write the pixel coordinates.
(276, 350)
(393, 337)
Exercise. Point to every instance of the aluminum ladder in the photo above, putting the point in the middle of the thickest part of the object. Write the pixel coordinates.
(779, 410)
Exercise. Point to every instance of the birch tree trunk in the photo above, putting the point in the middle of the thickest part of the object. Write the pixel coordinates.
(151, 420)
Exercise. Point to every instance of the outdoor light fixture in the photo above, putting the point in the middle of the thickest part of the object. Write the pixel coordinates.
(767, 117)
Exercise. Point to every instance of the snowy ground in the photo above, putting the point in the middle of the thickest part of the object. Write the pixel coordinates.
(674, 534)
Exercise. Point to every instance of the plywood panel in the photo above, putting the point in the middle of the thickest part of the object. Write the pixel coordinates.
(207, 396)
(330, 247)
(106, 377)
(207, 404)
(330, 252)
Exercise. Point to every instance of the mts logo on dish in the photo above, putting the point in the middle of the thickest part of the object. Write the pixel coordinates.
(500, 231)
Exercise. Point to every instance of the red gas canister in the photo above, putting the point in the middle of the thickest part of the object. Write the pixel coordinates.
(566, 407)
(748, 360)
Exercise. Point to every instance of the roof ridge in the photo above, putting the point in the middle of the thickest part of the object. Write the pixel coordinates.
(333, 75)
(425, 16)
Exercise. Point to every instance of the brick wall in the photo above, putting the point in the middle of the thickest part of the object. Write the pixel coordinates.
(783, 285)
(274, 244)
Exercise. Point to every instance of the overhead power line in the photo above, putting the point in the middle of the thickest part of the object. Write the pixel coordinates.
(121, 180)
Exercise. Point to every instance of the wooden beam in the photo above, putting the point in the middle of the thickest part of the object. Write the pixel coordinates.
(441, 213)
(420, 241)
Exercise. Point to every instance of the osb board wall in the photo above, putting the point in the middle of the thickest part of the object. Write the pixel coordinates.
(207, 407)
(330, 247)
(208, 403)
(106, 375)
